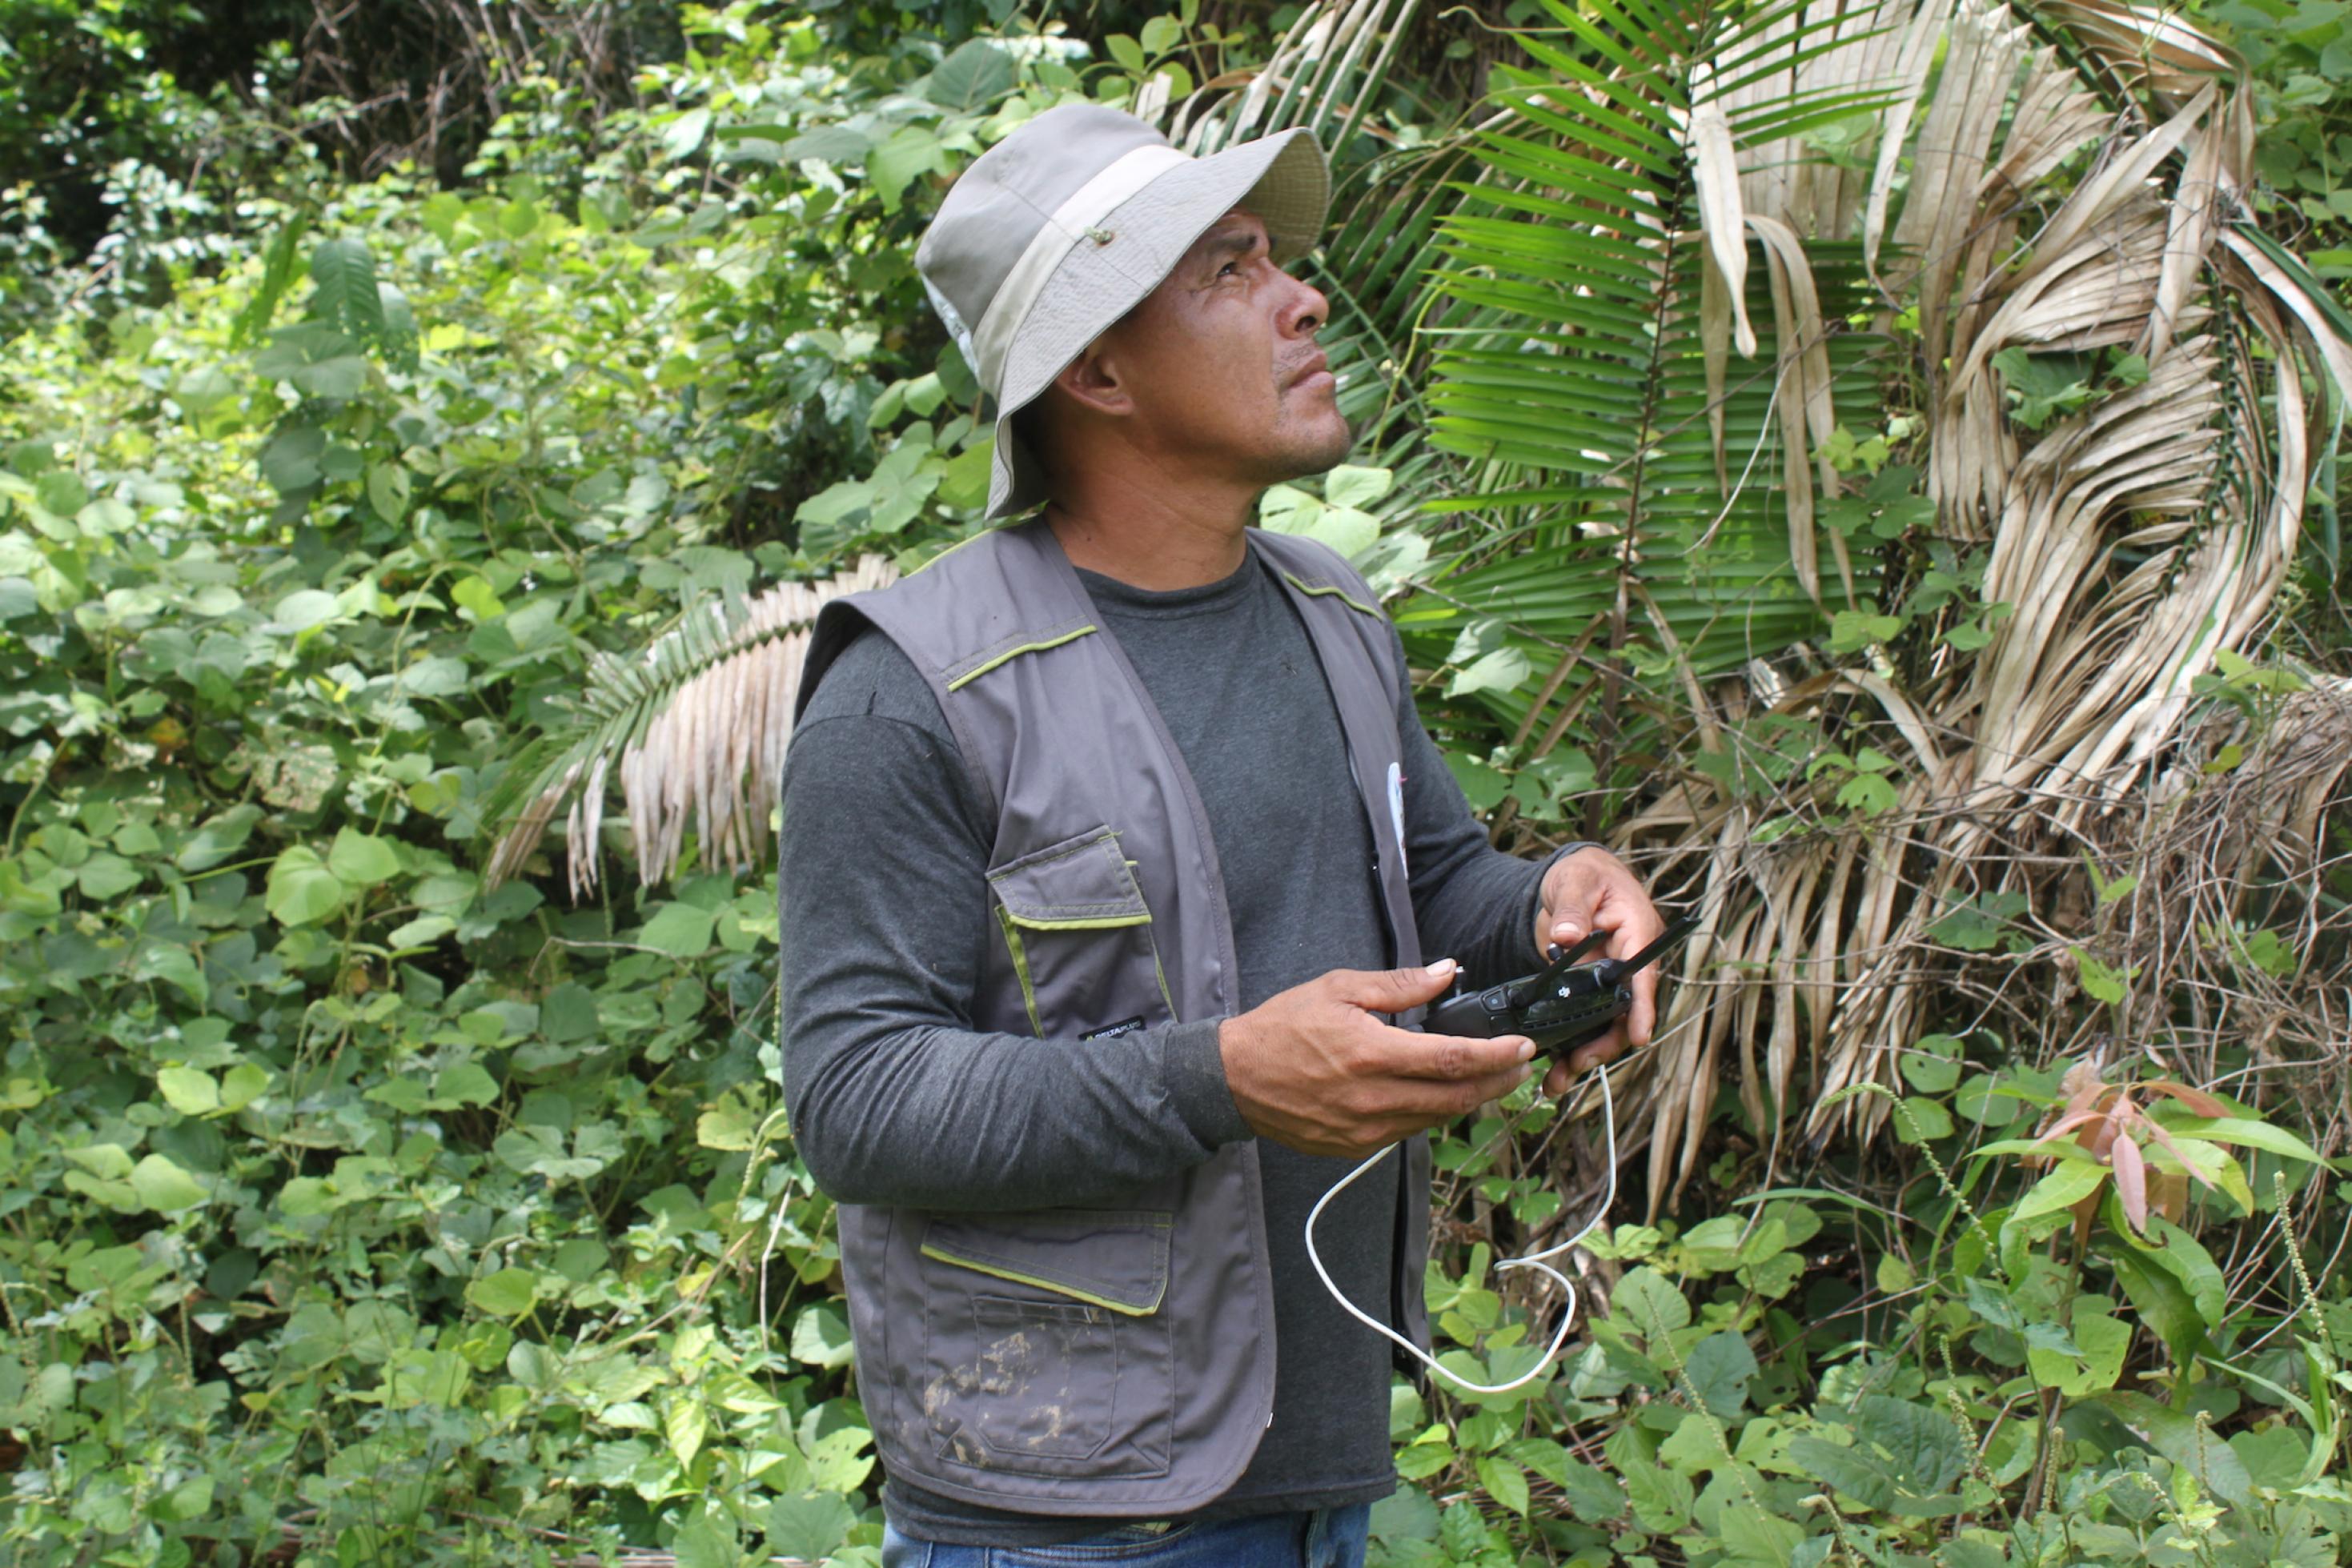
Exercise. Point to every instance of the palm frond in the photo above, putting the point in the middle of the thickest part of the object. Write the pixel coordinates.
(697, 724)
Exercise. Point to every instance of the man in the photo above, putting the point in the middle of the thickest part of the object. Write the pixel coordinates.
(1112, 842)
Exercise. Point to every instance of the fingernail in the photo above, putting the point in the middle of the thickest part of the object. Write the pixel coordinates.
(1526, 1050)
(1443, 966)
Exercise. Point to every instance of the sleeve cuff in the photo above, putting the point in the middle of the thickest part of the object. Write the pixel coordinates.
(1196, 1084)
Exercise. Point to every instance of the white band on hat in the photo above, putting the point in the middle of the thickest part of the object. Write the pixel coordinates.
(1094, 201)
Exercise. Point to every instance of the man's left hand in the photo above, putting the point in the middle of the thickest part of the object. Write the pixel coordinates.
(1592, 890)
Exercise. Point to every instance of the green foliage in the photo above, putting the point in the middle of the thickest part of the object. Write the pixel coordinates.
(1958, 1379)
(340, 1189)
(345, 1193)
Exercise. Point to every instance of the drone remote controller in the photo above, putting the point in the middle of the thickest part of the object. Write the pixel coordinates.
(1559, 1007)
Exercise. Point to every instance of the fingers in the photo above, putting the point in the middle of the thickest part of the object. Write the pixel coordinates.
(1643, 1019)
(1608, 1048)
(1450, 1057)
(1392, 990)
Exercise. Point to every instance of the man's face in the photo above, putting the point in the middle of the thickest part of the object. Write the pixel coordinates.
(1220, 363)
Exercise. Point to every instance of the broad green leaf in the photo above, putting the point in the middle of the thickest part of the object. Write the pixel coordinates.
(191, 1092)
(838, 1461)
(60, 493)
(708, 1542)
(1350, 532)
(680, 930)
(974, 76)
(1504, 670)
(2246, 1133)
(913, 151)
(1755, 1535)
(821, 1335)
(107, 1161)
(2162, 1303)
(2069, 1183)
(1482, 786)
(292, 460)
(1504, 1482)
(1926, 1449)
(303, 609)
(809, 1527)
(164, 1186)
(104, 877)
(359, 860)
(1922, 1119)
(1348, 486)
(1719, 1367)
(346, 296)
(1933, 1065)
(388, 489)
(1661, 1498)
(827, 144)
(1160, 35)
(964, 483)
(467, 1083)
(508, 1293)
(2100, 1340)
(217, 839)
(731, 1124)
(242, 1085)
(302, 891)
(1648, 1304)
(686, 1425)
(683, 135)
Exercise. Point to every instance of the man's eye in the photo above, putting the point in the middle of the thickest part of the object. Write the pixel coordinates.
(1229, 267)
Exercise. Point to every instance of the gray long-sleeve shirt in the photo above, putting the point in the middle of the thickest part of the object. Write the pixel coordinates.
(896, 1099)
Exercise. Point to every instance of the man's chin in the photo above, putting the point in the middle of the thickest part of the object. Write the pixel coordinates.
(1331, 448)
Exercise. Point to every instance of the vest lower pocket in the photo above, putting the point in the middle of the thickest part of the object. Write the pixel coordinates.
(1045, 1350)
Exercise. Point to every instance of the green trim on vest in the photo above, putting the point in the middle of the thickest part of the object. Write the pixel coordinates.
(1016, 1277)
(1346, 598)
(1021, 968)
(1010, 653)
(1100, 923)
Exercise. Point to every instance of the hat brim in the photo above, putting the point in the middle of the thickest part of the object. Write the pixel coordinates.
(1283, 179)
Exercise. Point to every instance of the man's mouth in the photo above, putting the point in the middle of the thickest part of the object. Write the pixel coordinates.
(1315, 372)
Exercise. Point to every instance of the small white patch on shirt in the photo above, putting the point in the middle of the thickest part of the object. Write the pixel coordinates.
(1396, 807)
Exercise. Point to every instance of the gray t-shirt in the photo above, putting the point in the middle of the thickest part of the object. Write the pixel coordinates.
(896, 1099)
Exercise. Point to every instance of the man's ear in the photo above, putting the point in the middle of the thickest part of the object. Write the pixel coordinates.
(1095, 382)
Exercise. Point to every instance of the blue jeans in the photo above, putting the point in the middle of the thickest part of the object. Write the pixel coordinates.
(1326, 1538)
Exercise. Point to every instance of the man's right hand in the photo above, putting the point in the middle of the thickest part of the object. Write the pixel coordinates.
(1315, 1069)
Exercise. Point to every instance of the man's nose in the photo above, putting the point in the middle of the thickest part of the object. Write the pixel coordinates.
(1304, 311)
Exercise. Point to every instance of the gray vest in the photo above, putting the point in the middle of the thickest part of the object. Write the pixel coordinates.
(1116, 1359)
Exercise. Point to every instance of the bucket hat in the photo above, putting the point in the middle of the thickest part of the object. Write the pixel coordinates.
(1063, 227)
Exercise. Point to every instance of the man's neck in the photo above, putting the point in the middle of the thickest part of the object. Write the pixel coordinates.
(1155, 544)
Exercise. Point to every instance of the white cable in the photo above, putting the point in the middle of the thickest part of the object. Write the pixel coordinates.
(1532, 1260)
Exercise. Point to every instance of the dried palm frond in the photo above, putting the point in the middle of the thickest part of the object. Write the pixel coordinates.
(1658, 410)
(697, 724)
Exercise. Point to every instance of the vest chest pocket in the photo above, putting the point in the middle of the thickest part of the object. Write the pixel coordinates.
(1043, 1349)
(1079, 935)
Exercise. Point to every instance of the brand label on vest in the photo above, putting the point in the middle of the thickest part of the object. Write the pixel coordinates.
(1112, 1031)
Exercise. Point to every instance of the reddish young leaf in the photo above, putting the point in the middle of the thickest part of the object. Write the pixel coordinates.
(2197, 1100)
(2131, 1183)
